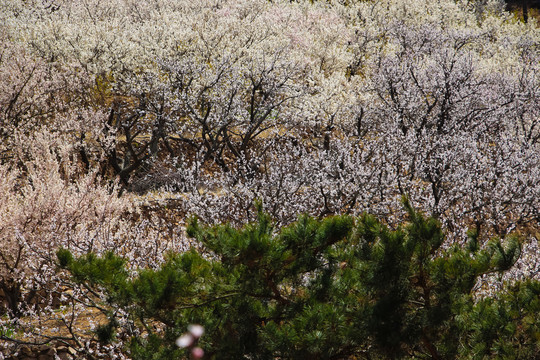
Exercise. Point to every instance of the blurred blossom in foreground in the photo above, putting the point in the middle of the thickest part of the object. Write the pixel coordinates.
(184, 340)
(196, 330)
(197, 353)
(189, 339)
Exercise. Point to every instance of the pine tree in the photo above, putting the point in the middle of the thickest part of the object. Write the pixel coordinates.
(333, 288)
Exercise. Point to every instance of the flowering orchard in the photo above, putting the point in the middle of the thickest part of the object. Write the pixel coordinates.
(119, 120)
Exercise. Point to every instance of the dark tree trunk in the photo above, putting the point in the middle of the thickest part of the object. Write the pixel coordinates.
(10, 297)
(525, 9)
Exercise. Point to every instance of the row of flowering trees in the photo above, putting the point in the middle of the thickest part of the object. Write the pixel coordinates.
(119, 119)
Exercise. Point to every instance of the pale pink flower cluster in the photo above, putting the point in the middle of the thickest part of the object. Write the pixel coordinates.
(190, 339)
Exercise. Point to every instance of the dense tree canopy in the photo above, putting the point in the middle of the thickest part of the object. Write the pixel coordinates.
(119, 120)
